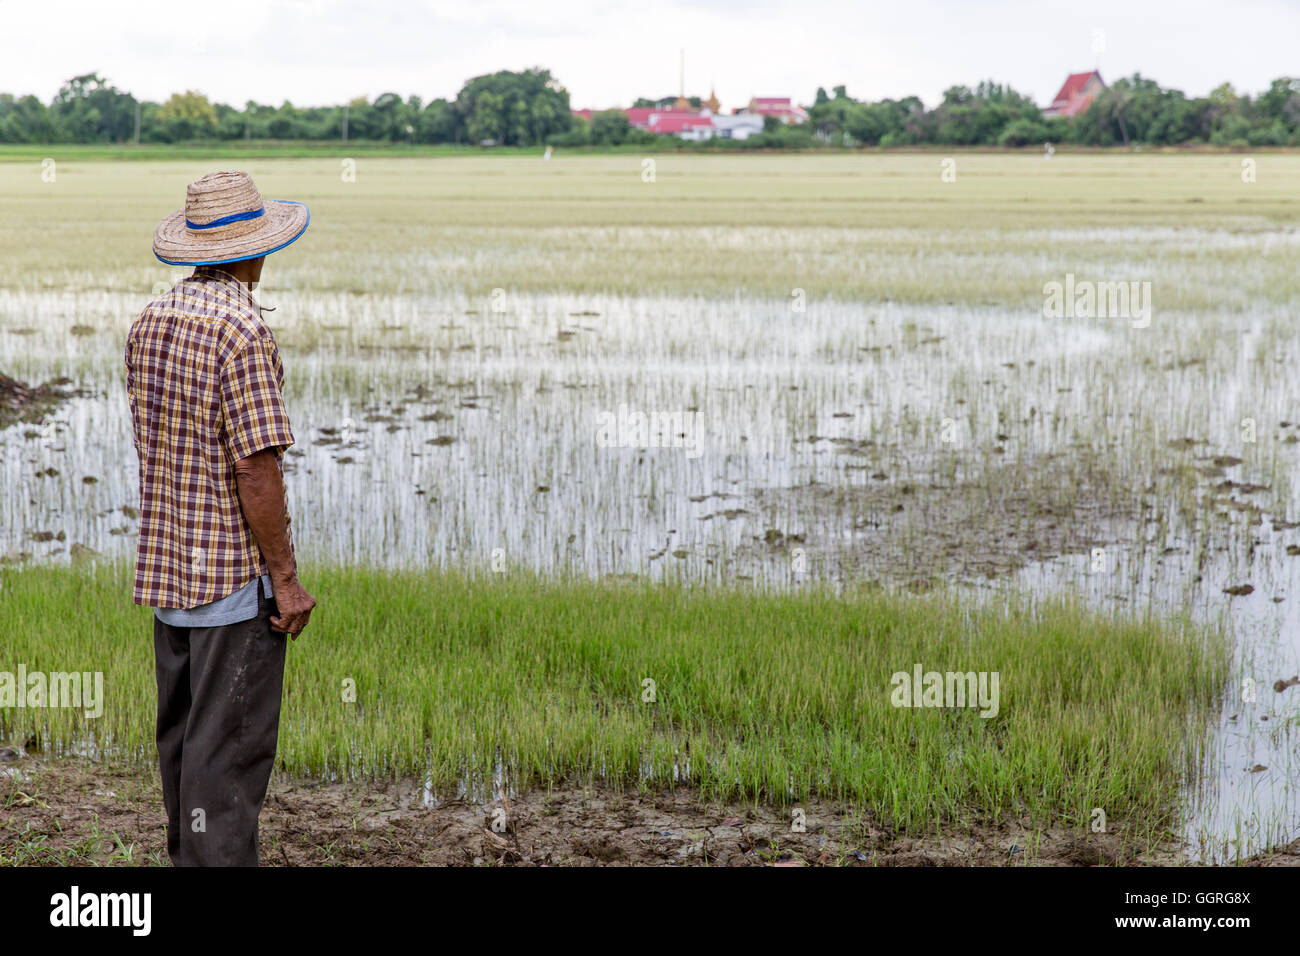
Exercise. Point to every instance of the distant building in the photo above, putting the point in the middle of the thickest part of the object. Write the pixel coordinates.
(737, 125)
(779, 106)
(1077, 94)
(706, 122)
(639, 116)
(687, 125)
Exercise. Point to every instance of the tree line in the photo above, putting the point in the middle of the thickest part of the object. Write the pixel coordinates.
(1131, 110)
(531, 108)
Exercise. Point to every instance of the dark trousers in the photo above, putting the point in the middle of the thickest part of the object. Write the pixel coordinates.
(218, 718)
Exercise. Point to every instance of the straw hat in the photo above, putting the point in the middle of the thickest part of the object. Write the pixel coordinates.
(226, 220)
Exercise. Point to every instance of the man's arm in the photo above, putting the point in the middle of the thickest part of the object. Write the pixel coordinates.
(261, 496)
(130, 397)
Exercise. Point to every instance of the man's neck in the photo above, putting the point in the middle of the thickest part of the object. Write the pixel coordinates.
(226, 272)
(242, 276)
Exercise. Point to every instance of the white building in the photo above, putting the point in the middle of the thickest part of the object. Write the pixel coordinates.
(737, 125)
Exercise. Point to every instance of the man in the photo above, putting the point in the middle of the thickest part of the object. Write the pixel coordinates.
(215, 558)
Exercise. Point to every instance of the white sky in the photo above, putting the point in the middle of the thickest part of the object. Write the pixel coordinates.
(315, 52)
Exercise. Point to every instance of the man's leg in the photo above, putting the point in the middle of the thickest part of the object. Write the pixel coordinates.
(236, 674)
(171, 647)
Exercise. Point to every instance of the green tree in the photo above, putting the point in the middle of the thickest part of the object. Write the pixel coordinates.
(1023, 132)
(515, 109)
(438, 122)
(1281, 102)
(610, 128)
(87, 109)
(186, 115)
(26, 120)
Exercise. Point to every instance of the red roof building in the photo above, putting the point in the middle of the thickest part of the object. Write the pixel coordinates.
(639, 116)
(706, 122)
(779, 106)
(647, 117)
(675, 123)
(1077, 94)
(689, 124)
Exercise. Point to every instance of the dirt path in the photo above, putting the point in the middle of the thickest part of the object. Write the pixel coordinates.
(77, 812)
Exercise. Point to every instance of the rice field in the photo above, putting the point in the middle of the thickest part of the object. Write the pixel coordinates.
(487, 686)
(793, 375)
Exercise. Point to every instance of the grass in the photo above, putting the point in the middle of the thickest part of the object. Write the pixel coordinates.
(303, 149)
(870, 227)
(261, 149)
(775, 698)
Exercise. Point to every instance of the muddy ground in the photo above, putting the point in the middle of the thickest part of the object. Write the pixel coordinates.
(989, 522)
(75, 812)
(918, 533)
(20, 402)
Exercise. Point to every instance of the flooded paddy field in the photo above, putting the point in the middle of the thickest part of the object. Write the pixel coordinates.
(775, 373)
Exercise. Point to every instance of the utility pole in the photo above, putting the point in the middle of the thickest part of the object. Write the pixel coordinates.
(137, 122)
(345, 124)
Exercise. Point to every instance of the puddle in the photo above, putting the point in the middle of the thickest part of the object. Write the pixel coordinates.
(1245, 798)
(914, 445)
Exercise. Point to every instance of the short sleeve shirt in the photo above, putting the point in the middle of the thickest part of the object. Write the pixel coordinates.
(204, 382)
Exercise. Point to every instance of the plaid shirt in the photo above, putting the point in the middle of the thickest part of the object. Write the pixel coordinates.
(204, 381)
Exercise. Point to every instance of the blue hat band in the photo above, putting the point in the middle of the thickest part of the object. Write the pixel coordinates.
(227, 220)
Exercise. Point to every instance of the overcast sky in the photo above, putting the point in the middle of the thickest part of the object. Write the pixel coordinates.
(315, 52)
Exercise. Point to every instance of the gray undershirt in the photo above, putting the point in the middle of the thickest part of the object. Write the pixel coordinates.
(231, 609)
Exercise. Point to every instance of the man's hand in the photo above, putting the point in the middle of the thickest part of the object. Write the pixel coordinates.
(294, 604)
(261, 496)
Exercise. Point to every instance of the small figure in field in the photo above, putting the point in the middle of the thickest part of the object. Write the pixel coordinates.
(215, 558)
